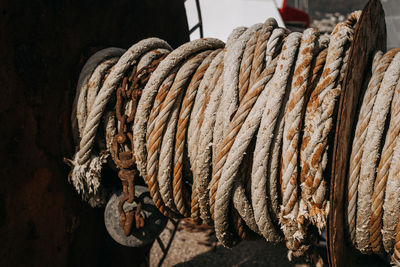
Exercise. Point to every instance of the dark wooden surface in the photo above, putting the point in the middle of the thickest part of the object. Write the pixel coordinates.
(43, 45)
(370, 35)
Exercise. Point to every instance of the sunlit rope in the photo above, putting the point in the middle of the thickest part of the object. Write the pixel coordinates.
(237, 135)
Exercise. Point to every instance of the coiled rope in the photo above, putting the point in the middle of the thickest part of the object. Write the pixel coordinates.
(238, 135)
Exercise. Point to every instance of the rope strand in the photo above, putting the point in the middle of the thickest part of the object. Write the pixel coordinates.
(238, 135)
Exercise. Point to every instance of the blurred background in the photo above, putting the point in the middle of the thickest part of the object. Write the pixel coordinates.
(218, 18)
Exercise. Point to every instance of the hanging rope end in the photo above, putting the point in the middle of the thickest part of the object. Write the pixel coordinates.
(86, 179)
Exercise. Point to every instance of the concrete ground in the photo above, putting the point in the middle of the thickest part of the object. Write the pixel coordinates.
(198, 246)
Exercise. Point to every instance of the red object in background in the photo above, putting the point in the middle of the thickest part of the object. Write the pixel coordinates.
(294, 16)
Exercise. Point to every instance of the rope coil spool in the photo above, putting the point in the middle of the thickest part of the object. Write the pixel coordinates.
(265, 106)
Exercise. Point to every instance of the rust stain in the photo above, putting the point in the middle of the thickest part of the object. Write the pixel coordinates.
(317, 156)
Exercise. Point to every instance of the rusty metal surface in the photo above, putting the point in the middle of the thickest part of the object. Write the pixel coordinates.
(153, 219)
(128, 95)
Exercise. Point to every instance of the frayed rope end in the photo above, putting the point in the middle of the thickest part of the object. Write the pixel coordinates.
(86, 179)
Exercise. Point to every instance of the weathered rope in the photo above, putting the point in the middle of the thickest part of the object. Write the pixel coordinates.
(207, 103)
(238, 135)
(371, 151)
(180, 194)
(382, 63)
(383, 171)
(318, 125)
(87, 166)
(291, 131)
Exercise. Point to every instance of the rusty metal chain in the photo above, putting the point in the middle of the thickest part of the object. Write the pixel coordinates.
(127, 96)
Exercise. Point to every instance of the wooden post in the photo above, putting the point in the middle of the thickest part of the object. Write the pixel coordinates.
(370, 36)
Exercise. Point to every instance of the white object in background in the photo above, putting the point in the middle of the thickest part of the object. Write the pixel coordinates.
(279, 3)
(392, 16)
(220, 17)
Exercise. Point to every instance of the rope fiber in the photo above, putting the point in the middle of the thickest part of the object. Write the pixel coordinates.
(238, 135)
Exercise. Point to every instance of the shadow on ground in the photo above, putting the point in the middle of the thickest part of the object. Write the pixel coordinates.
(247, 253)
(196, 246)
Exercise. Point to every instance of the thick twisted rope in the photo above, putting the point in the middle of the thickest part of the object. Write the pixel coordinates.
(360, 138)
(390, 231)
(160, 141)
(245, 209)
(238, 136)
(154, 141)
(179, 191)
(382, 175)
(201, 159)
(318, 124)
(292, 118)
(360, 135)
(371, 151)
(86, 166)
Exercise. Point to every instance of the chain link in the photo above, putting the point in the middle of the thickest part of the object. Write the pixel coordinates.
(128, 95)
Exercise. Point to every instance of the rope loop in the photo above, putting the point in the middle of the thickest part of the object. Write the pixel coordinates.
(238, 135)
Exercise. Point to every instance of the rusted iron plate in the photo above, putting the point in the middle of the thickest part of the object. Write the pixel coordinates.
(154, 221)
(370, 35)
